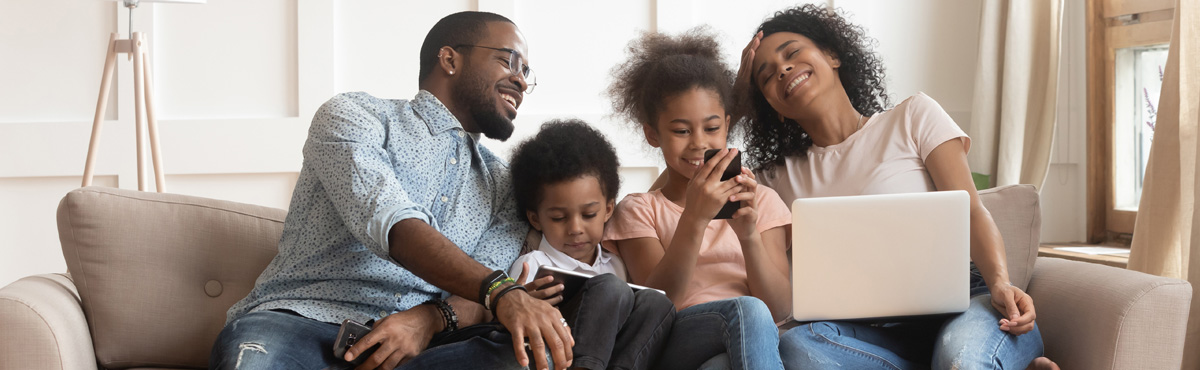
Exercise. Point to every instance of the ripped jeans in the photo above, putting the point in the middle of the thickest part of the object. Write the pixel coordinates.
(970, 340)
(280, 340)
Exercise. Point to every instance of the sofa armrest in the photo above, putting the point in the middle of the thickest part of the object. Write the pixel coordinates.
(1100, 317)
(44, 326)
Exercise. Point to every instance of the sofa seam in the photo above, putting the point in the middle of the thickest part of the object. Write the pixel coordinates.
(188, 204)
(44, 321)
(1128, 307)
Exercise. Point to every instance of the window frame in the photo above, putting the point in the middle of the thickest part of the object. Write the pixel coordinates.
(1113, 25)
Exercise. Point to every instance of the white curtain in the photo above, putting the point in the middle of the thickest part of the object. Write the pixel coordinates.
(1166, 235)
(1016, 90)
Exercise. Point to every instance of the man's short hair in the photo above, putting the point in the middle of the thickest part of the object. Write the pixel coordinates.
(462, 28)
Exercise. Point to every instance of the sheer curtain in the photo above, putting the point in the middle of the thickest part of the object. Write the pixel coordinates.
(1166, 236)
(1016, 86)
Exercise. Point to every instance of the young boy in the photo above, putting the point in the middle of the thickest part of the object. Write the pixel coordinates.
(565, 179)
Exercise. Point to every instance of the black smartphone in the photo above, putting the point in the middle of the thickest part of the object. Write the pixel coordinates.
(351, 332)
(732, 170)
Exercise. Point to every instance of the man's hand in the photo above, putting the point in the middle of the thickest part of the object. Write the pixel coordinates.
(401, 336)
(532, 319)
(1016, 306)
(552, 294)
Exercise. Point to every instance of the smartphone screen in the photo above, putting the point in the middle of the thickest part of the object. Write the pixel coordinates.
(733, 169)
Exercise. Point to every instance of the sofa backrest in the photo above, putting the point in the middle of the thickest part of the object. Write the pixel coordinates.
(1018, 215)
(156, 272)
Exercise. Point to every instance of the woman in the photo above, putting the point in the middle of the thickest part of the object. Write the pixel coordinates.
(814, 104)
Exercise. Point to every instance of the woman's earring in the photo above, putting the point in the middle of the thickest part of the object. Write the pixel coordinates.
(451, 73)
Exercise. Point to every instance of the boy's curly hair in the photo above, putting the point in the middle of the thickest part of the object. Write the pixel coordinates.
(563, 150)
(662, 66)
(768, 141)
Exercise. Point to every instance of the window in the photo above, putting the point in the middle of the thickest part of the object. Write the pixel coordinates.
(1127, 52)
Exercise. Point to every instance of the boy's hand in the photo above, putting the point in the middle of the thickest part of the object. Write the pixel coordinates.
(745, 220)
(552, 294)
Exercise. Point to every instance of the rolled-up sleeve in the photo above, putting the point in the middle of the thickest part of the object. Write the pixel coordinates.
(346, 149)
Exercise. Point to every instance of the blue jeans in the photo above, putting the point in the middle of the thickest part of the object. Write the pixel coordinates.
(278, 340)
(741, 328)
(970, 340)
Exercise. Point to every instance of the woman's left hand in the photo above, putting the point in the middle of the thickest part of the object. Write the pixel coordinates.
(1016, 306)
(745, 220)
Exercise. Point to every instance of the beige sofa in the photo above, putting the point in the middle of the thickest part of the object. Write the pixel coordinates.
(151, 276)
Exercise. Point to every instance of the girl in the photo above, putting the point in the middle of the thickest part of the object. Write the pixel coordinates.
(728, 277)
(817, 128)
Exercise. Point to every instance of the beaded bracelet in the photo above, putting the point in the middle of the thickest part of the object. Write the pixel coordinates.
(448, 315)
(496, 300)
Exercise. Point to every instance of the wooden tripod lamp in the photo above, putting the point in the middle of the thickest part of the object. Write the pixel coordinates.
(138, 48)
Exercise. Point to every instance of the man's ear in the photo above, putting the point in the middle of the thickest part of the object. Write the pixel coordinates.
(608, 209)
(651, 135)
(449, 60)
(533, 220)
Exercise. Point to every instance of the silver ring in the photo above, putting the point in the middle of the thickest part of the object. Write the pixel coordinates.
(564, 321)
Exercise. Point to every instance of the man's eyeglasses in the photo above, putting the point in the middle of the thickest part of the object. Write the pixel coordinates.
(516, 65)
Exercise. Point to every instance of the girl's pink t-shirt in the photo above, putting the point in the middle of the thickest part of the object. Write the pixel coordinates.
(720, 268)
(886, 156)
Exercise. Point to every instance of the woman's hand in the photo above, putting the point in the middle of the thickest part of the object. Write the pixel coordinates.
(745, 220)
(742, 85)
(551, 294)
(706, 193)
(1016, 306)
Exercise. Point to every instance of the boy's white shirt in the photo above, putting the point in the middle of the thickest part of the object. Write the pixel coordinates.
(547, 255)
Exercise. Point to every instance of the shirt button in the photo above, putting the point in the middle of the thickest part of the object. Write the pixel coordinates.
(453, 160)
(398, 295)
(460, 133)
(383, 314)
(445, 199)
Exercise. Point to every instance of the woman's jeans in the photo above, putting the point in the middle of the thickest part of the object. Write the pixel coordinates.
(740, 327)
(970, 340)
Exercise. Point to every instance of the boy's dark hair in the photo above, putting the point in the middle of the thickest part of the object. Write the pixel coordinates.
(563, 150)
(462, 28)
(768, 141)
(662, 66)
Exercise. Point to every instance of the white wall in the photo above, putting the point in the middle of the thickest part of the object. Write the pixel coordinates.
(237, 83)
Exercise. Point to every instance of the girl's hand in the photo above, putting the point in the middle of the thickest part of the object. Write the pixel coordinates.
(706, 193)
(745, 220)
(551, 294)
(1015, 306)
(742, 85)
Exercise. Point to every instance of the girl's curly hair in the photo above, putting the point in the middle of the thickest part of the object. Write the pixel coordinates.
(662, 66)
(768, 140)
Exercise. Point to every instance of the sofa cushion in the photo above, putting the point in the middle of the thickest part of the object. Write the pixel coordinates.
(156, 272)
(1018, 215)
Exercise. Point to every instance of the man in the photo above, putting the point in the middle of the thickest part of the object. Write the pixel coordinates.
(397, 203)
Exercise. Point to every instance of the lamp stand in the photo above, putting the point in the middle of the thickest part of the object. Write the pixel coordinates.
(139, 51)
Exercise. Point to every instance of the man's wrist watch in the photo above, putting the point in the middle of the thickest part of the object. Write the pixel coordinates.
(489, 282)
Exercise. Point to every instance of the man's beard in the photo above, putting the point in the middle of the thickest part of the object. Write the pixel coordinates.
(474, 94)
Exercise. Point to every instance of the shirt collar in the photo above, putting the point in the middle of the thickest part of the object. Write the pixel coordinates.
(435, 114)
(561, 259)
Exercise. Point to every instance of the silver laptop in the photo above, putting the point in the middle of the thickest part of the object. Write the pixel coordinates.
(880, 256)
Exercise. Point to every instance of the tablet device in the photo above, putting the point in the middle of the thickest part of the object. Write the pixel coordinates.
(573, 281)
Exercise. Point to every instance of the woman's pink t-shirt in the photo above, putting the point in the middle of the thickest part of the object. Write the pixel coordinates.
(720, 268)
(887, 155)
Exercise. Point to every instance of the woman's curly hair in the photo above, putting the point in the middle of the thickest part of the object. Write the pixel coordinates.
(661, 67)
(768, 140)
